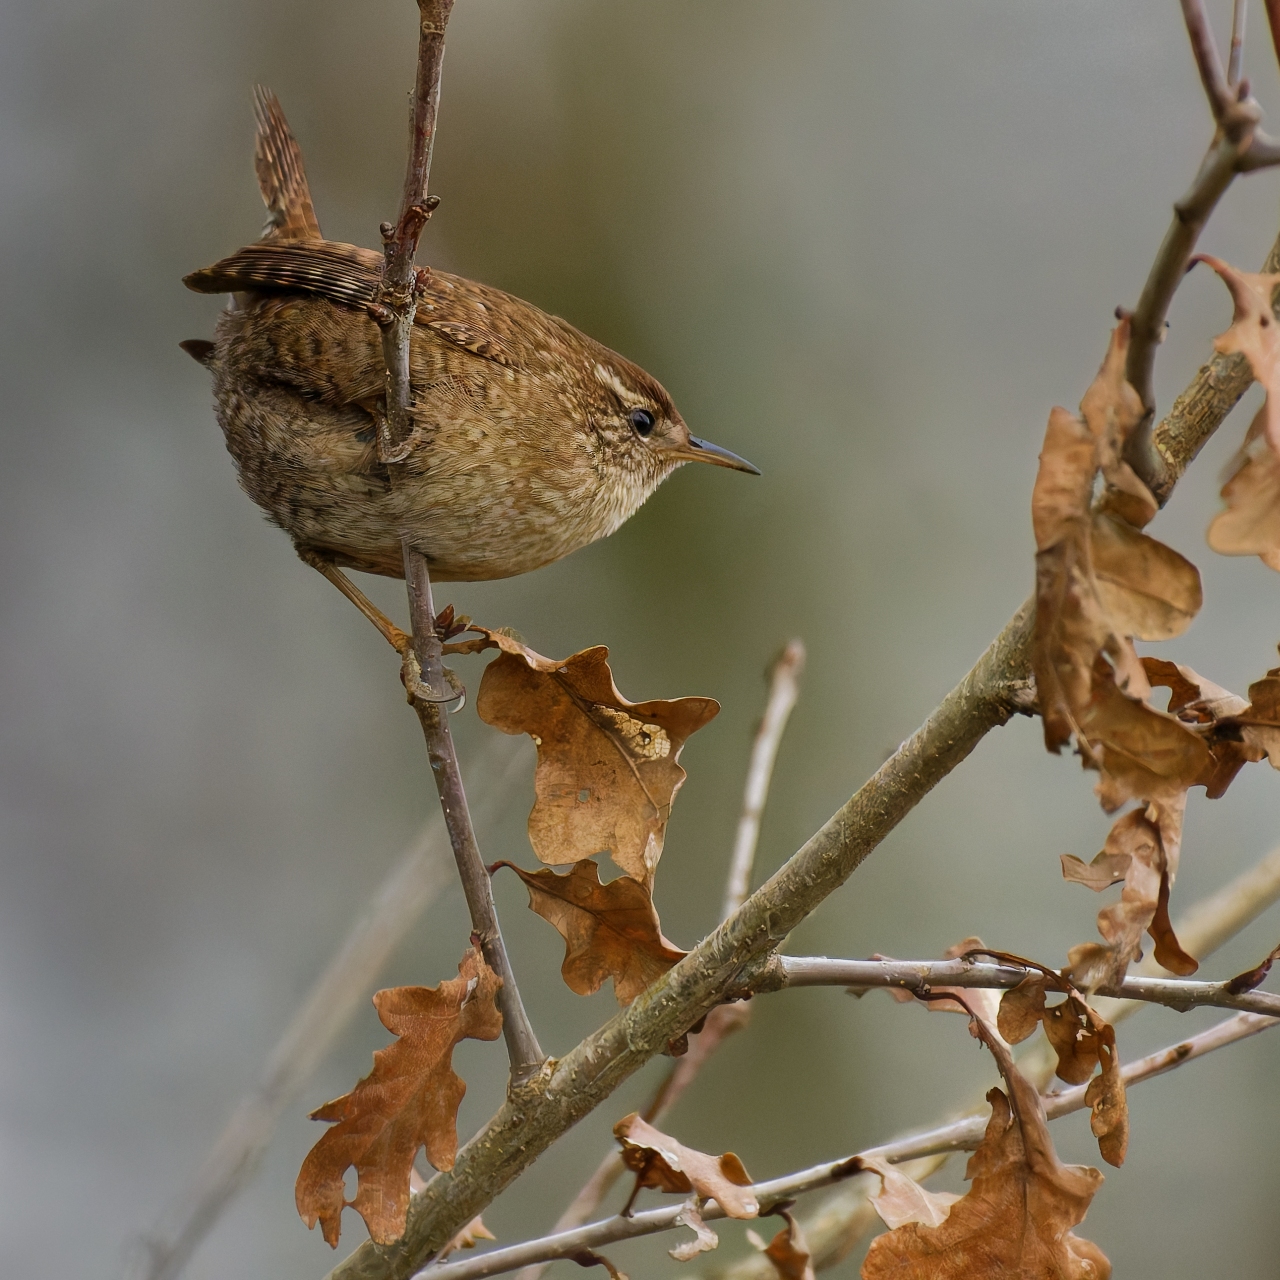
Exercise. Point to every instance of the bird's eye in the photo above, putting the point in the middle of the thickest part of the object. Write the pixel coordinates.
(642, 421)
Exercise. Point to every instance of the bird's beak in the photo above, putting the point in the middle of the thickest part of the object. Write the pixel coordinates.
(705, 451)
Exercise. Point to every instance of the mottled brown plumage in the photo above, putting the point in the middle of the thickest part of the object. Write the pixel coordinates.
(530, 440)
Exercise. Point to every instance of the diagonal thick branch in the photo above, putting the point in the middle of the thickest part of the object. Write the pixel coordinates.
(429, 686)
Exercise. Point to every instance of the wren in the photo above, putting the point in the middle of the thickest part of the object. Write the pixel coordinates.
(529, 440)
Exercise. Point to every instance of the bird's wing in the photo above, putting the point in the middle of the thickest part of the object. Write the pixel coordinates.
(282, 179)
(484, 321)
(340, 272)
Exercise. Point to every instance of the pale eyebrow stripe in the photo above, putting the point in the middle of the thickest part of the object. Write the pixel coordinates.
(611, 380)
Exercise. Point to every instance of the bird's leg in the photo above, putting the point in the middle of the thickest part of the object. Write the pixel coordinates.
(400, 641)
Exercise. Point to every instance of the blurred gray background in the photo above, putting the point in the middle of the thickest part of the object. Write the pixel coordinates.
(866, 245)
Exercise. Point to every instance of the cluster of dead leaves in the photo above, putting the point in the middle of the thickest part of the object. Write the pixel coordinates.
(1080, 1037)
(1018, 1215)
(1101, 584)
(606, 778)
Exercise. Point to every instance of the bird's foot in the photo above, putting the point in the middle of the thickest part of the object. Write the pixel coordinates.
(418, 690)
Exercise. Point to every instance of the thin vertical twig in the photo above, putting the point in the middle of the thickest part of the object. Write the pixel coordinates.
(784, 689)
(1235, 59)
(394, 310)
(723, 1020)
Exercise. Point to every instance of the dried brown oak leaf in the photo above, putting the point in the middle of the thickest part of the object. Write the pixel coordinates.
(1099, 579)
(1258, 725)
(1210, 710)
(1250, 525)
(409, 1100)
(609, 930)
(607, 772)
(1143, 847)
(1015, 1222)
(902, 1199)
(1082, 1040)
(665, 1164)
(788, 1250)
(1141, 753)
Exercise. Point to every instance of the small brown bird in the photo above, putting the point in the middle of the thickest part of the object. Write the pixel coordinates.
(530, 440)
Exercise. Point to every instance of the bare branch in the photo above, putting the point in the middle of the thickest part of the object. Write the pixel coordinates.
(784, 689)
(1235, 60)
(960, 1135)
(921, 976)
(426, 681)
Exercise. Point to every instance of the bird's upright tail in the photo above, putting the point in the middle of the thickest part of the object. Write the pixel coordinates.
(282, 179)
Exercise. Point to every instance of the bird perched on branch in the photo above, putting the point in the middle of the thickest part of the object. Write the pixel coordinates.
(529, 439)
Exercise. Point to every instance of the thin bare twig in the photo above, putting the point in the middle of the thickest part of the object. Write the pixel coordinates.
(921, 976)
(429, 685)
(960, 1135)
(1235, 59)
(723, 1020)
(784, 689)
(1239, 146)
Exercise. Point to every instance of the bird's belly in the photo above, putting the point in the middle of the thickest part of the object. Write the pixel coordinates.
(477, 513)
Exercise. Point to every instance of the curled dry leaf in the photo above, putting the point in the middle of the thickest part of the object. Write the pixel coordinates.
(1082, 1040)
(409, 1100)
(609, 930)
(901, 1199)
(1252, 978)
(788, 1250)
(607, 772)
(665, 1164)
(1210, 711)
(1017, 1217)
(1258, 725)
(1100, 581)
(704, 1239)
(1250, 525)
(1144, 842)
(1141, 753)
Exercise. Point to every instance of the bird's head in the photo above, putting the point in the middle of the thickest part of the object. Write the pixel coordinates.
(642, 433)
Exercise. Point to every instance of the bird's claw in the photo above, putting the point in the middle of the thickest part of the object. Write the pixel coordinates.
(417, 690)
